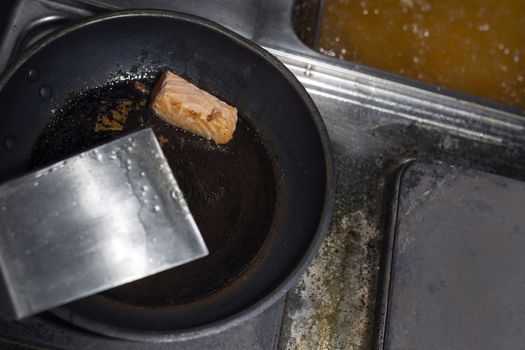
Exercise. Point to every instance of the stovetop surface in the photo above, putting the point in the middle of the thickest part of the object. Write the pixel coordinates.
(376, 123)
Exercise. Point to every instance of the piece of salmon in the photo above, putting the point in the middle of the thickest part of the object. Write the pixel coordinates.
(184, 105)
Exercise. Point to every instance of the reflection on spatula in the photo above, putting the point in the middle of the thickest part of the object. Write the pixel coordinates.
(94, 221)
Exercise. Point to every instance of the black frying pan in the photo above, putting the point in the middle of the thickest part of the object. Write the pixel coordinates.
(262, 202)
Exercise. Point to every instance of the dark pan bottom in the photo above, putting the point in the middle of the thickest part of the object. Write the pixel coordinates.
(230, 188)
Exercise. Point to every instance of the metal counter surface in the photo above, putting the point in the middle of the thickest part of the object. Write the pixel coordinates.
(376, 125)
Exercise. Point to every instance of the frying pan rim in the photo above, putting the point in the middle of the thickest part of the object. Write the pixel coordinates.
(295, 273)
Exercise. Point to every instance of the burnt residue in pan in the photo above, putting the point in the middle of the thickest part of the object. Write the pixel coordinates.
(230, 188)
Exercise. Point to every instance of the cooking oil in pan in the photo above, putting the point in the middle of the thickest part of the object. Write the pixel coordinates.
(472, 46)
(230, 189)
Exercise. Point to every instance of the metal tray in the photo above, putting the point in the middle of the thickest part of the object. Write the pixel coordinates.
(376, 122)
(451, 269)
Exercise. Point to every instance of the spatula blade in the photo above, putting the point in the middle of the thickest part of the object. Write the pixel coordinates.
(92, 222)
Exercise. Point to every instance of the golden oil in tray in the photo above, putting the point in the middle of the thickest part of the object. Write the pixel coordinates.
(476, 47)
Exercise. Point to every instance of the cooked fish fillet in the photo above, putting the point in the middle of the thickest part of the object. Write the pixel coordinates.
(182, 104)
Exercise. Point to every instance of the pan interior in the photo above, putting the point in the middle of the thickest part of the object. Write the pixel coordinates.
(230, 188)
(263, 207)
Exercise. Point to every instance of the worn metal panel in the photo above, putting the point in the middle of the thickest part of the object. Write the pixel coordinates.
(457, 279)
(375, 126)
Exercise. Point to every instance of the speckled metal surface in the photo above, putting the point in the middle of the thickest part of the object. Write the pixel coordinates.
(334, 303)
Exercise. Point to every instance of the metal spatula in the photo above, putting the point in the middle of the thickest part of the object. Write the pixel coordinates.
(97, 220)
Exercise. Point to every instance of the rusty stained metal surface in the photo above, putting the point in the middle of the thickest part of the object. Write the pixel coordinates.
(333, 305)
